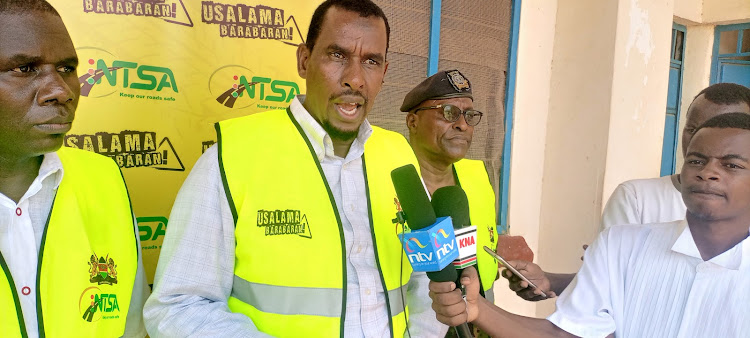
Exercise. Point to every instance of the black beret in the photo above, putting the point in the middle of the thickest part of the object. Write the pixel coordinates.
(443, 85)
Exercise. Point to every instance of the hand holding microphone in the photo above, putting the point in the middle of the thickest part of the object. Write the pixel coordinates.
(451, 306)
(431, 245)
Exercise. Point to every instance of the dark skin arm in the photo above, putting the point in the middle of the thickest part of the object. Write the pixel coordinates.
(451, 309)
(552, 284)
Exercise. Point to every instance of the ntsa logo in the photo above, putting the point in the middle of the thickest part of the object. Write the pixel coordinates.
(247, 89)
(130, 149)
(125, 75)
(94, 305)
(251, 22)
(169, 11)
(151, 228)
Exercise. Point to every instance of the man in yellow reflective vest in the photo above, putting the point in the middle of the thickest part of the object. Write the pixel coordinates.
(284, 228)
(69, 253)
(441, 119)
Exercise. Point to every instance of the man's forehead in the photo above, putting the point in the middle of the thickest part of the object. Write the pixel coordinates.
(461, 102)
(339, 25)
(719, 142)
(703, 109)
(35, 34)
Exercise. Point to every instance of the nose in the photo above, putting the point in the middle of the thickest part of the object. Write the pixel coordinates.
(54, 89)
(353, 76)
(709, 172)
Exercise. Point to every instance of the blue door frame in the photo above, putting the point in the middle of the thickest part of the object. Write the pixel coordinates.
(674, 96)
(510, 92)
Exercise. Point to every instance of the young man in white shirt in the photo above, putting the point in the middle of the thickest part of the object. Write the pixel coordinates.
(644, 201)
(684, 278)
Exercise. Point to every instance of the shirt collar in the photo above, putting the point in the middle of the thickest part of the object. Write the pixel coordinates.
(50, 171)
(51, 166)
(319, 138)
(731, 259)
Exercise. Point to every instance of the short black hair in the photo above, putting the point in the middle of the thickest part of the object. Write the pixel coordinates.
(728, 120)
(26, 6)
(726, 93)
(365, 9)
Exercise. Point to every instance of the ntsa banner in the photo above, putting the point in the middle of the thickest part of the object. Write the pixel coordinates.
(156, 74)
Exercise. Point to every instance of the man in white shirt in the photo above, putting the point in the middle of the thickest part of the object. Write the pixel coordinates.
(284, 228)
(684, 278)
(645, 201)
(658, 200)
(59, 208)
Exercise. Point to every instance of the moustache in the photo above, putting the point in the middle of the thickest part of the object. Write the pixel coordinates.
(350, 93)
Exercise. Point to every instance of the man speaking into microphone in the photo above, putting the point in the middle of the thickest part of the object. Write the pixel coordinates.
(284, 228)
(441, 120)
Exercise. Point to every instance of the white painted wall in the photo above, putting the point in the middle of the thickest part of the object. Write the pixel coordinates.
(536, 40)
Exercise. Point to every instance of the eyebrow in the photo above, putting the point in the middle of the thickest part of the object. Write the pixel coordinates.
(25, 58)
(726, 157)
(734, 157)
(70, 60)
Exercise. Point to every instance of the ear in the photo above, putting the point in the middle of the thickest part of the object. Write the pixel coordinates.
(303, 55)
(411, 121)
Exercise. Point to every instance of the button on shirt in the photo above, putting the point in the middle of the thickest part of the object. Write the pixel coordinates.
(196, 266)
(650, 281)
(21, 229)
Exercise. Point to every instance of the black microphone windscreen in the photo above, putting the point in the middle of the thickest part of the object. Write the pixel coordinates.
(448, 274)
(413, 197)
(452, 201)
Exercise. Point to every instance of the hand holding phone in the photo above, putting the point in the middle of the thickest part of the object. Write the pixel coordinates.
(513, 270)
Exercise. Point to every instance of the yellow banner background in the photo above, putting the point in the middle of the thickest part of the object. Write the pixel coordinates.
(156, 74)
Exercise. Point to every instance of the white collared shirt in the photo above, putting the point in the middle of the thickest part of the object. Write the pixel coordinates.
(644, 201)
(21, 229)
(650, 281)
(196, 266)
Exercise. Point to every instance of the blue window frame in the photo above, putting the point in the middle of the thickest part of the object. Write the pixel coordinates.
(672, 120)
(731, 54)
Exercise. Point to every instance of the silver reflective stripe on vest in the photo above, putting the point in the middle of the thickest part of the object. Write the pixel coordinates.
(285, 300)
(396, 299)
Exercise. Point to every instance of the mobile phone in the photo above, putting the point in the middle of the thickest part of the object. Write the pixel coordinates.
(514, 271)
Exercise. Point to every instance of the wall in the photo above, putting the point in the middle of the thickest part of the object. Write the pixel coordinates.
(533, 73)
(725, 11)
(640, 81)
(577, 128)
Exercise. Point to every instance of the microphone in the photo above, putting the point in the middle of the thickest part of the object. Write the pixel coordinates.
(452, 201)
(430, 246)
(413, 197)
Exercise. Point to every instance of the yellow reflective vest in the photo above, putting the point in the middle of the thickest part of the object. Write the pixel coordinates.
(290, 265)
(473, 179)
(87, 259)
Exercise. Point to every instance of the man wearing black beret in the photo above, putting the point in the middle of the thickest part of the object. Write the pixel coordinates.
(441, 120)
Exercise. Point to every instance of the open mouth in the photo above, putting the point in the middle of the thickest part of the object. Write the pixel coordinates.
(348, 109)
